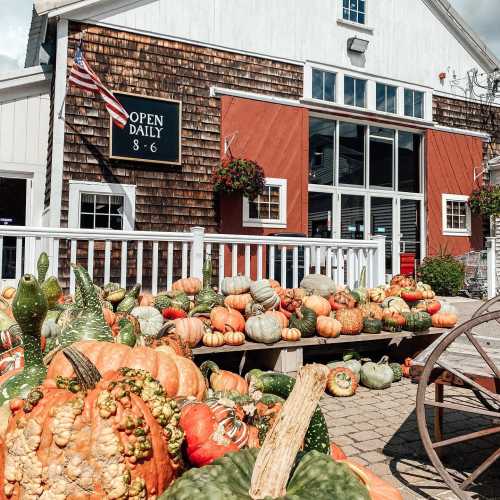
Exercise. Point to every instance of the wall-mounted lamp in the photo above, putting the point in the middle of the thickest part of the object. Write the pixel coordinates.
(358, 45)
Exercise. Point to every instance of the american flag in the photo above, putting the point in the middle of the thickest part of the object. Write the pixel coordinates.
(83, 76)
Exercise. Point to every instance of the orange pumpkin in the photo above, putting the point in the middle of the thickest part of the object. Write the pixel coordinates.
(238, 302)
(281, 317)
(318, 304)
(190, 330)
(8, 293)
(274, 283)
(190, 286)
(179, 376)
(351, 321)
(291, 334)
(403, 281)
(342, 300)
(234, 338)
(443, 319)
(393, 291)
(372, 310)
(328, 327)
(213, 339)
(109, 316)
(226, 319)
(223, 380)
(411, 294)
(146, 299)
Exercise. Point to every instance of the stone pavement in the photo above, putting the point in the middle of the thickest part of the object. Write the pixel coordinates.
(379, 429)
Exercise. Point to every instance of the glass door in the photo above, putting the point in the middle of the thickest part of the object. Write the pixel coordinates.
(410, 248)
(320, 215)
(352, 216)
(381, 219)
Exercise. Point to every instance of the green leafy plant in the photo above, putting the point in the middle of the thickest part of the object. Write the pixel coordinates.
(443, 272)
(235, 175)
(485, 201)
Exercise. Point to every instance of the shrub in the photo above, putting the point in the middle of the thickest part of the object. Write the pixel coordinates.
(444, 273)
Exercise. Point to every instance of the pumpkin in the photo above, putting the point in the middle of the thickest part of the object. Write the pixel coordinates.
(376, 295)
(234, 338)
(341, 382)
(238, 302)
(417, 321)
(395, 304)
(318, 304)
(318, 284)
(393, 321)
(264, 294)
(173, 298)
(393, 291)
(444, 319)
(213, 339)
(403, 281)
(372, 310)
(263, 328)
(225, 319)
(328, 327)
(190, 330)
(173, 313)
(222, 380)
(291, 299)
(377, 375)
(351, 321)
(150, 319)
(282, 319)
(8, 292)
(423, 287)
(428, 294)
(117, 439)
(190, 286)
(411, 294)
(274, 283)
(304, 319)
(432, 306)
(236, 285)
(109, 316)
(179, 376)
(342, 300)
(352, 364)
(397, 371)
(167, 338)
(372, 325)
(146, 299)
(291, 334)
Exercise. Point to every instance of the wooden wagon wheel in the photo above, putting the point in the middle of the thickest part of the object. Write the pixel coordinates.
(435, 366)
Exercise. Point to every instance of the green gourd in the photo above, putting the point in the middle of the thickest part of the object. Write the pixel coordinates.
(52, 291)
(417, 321)
(207, 298)
(281, 385)
(176, 299)
(397, 371)
(304, 319)
(361, 292)
(316, 476)
(130, 300)
(372, 325)
(29, 308)
(126, 334)
(42, 267)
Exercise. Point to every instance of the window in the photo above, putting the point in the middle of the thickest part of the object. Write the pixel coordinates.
(95, 205)
(351, 154)
(354, 92)
(409, 162)
(381, 157)
(456, 215)
(354, 10)
(320, 215)
(323, 85)
(386, 98)
(414, 103)
(268, 209)
(321, 151)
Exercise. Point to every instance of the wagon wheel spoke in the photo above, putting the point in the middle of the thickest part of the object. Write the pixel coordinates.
(482, 352)
(466, 437)
(481, 469)
(467, 380)
(467, 409)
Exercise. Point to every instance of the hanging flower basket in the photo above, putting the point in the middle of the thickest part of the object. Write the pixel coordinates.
(485, 201)
(235, 175)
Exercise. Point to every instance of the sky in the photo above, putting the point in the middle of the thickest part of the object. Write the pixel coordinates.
(482, 15)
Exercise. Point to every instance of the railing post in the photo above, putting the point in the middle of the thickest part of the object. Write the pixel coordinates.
(379, 271)
(197, 252)
(492, 267)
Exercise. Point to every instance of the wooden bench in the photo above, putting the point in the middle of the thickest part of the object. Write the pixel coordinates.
(288, 357)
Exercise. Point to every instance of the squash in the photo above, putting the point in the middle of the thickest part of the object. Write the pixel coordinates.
(304, 319)
(130, 300)
(225, 319)
(341, 382)
(393, 321)
(423, 287)
(179, 300)
(395, 304)
(114, 438)
(428, 294)
(234, 338)
(190, 286)
(213, 339)
(360, 293)
(372, 310)
(372, 325)
(109, 316)
(444, 319)
(8, 292)
(377, 375)
(351, 320)
(291, 334)
(281, 317)
(173, 313)
(263, 328)
(291, 300)
(236, 285)
(264, 294)
(150, 320)
(328, 327)
(411, 294)
(318, 304)
(417, 321)
(342, 300)
(222, 380)
(403, 281)
(432, 306)
(397, 371)
(190, 330)
(352, 364)
(52, 291)
(393, 291)
(238, 302)
(376, 295)
(207, 298)
(318, 284)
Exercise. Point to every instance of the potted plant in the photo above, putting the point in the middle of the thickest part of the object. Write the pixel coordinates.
(240, 176)
(485, 201)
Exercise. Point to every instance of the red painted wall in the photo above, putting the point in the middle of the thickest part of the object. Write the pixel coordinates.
(277, 138)
(451, 159)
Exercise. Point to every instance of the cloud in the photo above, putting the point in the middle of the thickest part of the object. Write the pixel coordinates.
(8, 64)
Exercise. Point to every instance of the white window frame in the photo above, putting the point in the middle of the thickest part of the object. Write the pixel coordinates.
(357, 79)
(386, 86)
(76, 188)
(355, 23)
(272, 223)
(445, 197)
(323, 72)
(414, 91)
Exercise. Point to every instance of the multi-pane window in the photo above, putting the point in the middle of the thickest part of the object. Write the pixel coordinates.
(321, 151)
(386, 98)
(268, 208)
(351, 154)
(354, 92)
(323, 85)
(414, 103)
(354, 10)
(456, 214)
(101, 211)
(409, 162)
(381, 157)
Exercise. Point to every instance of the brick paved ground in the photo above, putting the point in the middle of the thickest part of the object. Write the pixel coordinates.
(379, 429)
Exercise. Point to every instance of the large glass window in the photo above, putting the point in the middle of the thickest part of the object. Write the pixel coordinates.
(352, 217)
(320, 215)
(381, 157)
(354, 92)
(386, 98)
(354, 10)
(414, 103)
(321, 151)
(409, 162)
(323, 85)
(351, 154)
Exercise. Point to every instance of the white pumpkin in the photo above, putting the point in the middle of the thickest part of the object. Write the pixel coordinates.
(150, 319)
(395, 304)
(377, 375)
(263, 328)
(319, 284)
(235, 285)
(264, 294)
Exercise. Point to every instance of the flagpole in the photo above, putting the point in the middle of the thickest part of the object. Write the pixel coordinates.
(78, 46)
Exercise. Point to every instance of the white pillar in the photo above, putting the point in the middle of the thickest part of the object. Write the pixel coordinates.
(379, 271)
(492, 267)
(197, 252)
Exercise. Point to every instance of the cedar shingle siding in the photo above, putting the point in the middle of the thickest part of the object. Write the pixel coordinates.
(169, 198)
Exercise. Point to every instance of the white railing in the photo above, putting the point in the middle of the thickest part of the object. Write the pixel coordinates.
(492, 272)
(156, 259)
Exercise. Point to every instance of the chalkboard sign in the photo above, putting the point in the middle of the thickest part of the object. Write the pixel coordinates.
(152, 133)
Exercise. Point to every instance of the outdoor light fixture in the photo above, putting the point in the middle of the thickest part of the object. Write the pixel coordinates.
(358, 45)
